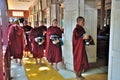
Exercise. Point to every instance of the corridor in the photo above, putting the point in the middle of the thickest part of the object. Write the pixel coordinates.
(101, 23)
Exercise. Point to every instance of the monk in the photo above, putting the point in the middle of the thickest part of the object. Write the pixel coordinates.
(79, 53)
(37, 37)
(27, 29)
(53, 49)
(16, 41)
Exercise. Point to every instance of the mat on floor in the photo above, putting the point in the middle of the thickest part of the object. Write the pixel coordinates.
(43, 71)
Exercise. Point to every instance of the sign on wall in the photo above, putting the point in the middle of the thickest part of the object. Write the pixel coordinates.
(18, 13)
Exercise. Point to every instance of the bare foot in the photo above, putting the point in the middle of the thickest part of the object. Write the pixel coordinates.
(40, 62)
(20, 64)
(79, 79)
(16, 61)
(82, 77)
(36, 63)
(57, 69)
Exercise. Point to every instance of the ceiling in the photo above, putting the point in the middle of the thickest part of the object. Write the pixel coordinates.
(25, 4)
(19, 4)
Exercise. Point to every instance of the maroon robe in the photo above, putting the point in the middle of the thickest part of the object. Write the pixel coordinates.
(79, 52)
(37, 50)
(53, 52)
(27, 29)
(16, 41)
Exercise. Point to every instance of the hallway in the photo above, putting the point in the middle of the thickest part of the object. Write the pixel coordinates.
(44, 71)
(97, 13)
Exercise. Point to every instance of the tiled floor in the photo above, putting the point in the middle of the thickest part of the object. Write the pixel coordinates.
(99, 73)
(100, 76)
(17, 71)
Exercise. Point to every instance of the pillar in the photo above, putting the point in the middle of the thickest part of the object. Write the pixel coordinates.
(3, 32)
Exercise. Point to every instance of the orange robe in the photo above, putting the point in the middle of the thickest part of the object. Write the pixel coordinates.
(16, 41)
(53, 52)
(37, 50)
(79, 52)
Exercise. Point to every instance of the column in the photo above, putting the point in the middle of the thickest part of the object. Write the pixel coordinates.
(3, 32)
(102, 13)
(3, 5)
(71, 12)
(53, 12)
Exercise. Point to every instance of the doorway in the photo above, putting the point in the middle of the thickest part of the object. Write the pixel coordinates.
(103, 31)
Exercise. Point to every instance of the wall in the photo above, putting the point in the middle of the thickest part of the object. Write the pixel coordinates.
(50, 10)
(90, 14)
(114, 49)
(25, 12)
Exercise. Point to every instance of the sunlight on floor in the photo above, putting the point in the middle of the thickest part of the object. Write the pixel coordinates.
(41, 71)
(44, 71)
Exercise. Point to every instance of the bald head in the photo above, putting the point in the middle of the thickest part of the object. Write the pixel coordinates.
(80, 20)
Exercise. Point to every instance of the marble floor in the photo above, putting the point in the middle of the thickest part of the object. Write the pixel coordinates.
(22, 72)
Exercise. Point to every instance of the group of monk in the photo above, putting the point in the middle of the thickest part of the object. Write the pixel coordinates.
(37, 40)
(46, 42)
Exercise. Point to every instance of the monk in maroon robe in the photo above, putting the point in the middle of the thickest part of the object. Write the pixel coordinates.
(16, 41)
(27, 29)
(37, 37)
(53, 51)
(79, 52)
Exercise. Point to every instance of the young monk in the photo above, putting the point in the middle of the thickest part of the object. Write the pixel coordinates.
(79, 52)
(16, 41)
(37, 37)
(27, 30)
(53, 49)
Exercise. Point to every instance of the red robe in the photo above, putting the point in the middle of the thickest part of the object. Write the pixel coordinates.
(53, 52)
(26, 29)
(79, 52)
(16, 41)
(37, 50)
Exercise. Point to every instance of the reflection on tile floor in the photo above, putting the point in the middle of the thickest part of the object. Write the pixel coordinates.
(17, 71)
(100, 73)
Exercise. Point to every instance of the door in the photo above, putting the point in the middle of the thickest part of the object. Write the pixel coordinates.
(114, 50)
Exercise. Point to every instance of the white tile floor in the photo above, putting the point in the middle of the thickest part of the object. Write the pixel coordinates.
(17, 72)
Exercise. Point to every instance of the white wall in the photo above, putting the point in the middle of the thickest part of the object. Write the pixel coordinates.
(91, 27)
(114, 50)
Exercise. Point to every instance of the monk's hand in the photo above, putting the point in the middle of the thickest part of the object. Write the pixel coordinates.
(56, 41)
(40, 43)
(44, 33)
(86, 36)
